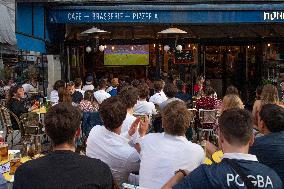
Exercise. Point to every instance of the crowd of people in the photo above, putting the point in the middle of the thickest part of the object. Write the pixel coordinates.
(126, 148)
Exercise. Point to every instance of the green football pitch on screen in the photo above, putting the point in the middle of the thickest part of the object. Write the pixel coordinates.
(126, 55)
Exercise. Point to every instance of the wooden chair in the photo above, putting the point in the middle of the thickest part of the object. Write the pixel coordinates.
(5, 115)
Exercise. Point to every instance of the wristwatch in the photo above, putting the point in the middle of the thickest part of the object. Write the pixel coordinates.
(181, 171)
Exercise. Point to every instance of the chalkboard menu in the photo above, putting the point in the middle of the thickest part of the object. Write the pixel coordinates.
(184, 57)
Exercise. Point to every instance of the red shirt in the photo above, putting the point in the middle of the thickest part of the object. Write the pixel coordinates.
(198, 88)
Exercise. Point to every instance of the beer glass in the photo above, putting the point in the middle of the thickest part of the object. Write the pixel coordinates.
(4, 152)
(14, 164)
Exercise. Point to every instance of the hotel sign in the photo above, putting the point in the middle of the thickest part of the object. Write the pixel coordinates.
(273, 16)
(161, 16)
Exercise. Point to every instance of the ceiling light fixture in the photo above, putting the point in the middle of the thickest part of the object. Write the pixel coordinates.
(166, 48)
(101, 48)
(88, 49)
(179, 48)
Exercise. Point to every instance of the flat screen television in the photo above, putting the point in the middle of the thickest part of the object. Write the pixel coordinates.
(126, 55)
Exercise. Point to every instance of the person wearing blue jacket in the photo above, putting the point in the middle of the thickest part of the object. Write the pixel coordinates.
(238, 169)
(269, 148)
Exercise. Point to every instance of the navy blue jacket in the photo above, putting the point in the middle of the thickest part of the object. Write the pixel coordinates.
(269, 150)
(218, 176)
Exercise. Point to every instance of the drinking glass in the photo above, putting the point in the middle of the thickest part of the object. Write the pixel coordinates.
(4, 152)
(14, 164)
(31, 150)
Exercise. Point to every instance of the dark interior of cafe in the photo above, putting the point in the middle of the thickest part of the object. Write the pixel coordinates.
(225, 54)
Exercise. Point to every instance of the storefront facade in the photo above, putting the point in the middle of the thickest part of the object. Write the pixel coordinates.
(229, 42)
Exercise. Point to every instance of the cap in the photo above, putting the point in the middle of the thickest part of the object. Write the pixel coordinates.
(89, 80)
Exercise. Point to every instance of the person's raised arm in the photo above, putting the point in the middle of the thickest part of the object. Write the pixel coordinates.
(134, 126)
(143, 128)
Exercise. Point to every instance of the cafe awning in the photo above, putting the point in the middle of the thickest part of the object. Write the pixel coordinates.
(30, 30)
(169, 14)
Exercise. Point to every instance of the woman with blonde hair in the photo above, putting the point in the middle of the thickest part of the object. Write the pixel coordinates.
(231, 101)
(269, 95)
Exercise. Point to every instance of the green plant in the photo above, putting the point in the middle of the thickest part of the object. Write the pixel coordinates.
(268, 81)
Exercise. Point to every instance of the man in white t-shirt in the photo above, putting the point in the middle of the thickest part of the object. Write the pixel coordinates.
(143, 106)
(170, 91)
(164, 153)
(107, 144)
(89, 84)
(101, 94)
(78, 85)
(159, 96)
(129, 96)
(30, 85)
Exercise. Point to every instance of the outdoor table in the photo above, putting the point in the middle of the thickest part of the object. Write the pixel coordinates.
(41, 112)
(5, 165)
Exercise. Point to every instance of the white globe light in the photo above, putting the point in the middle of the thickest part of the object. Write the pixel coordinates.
(88, 49)
(166, 48)
(101, 48)
(179, 48)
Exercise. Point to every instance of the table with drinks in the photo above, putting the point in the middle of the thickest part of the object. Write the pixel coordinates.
(12, 159)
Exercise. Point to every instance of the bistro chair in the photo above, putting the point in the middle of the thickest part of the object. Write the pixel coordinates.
(31, 125)
(207, 118)
(6, 122)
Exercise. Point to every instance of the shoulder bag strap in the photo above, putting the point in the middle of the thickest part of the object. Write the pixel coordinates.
(247, 181)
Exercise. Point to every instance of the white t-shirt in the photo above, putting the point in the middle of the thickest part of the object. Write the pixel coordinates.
(88, 87)
(101, 95)
(158, 98)
(54, 98)
(28, 87)
(114, 150)
(126, 126)
(162, 154)
(81, 91)
(144, 107)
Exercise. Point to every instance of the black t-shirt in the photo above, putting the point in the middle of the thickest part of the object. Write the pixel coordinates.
(269, 150)
(77, 97)
(63, 170)
(222, 175)
(18, 108)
